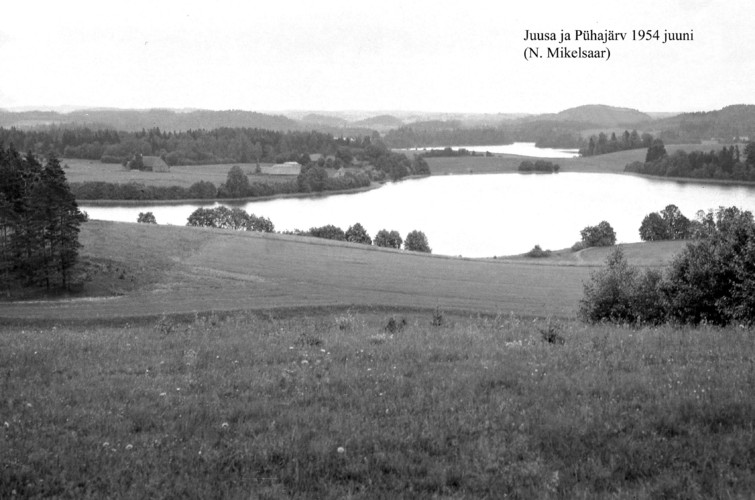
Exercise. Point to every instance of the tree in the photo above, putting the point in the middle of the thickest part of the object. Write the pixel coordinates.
(654, 228)
(416, 241)
(601, 235)
(40, 221)
(713, 279)
(388, 239)
(311, 179)
(202, 217)
(678, 225)
(260, 224)
(749, 152)
(237, 183)
(146, 218)
(357, 234)
(656, 151)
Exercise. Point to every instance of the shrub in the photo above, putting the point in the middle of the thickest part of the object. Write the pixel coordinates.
(146, 218)
(618, 293)
(538, 252)
(329, 232)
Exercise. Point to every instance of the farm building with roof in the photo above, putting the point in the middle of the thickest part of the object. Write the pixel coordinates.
(155, 164)
(288, 168)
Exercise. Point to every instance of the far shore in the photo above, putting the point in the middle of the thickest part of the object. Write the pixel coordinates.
(612, 163)
(212, 201)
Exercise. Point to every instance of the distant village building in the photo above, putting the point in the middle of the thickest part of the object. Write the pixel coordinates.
(288, 168)
(147, 164)
(155, 164)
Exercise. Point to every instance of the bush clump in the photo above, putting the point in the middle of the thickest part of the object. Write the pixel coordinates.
(712, 280)
(538, 252)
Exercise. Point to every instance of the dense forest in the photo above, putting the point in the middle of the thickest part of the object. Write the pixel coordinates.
(193, 147)
(726, 164)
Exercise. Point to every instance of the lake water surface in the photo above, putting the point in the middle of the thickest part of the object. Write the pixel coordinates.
(521, 149)
(482, 215)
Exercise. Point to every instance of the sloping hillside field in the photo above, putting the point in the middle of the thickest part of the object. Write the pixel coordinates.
(138, 270)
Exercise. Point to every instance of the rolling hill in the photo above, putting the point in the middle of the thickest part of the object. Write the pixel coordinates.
(139, 270)
(602, 115)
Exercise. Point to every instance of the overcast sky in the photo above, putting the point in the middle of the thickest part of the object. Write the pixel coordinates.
(453, 56)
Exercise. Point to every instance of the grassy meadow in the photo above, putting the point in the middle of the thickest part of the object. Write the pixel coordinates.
(203, 363)
(181, 175)
(349, 404)
(137, 270)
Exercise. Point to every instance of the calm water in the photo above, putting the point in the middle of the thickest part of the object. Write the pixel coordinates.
(483, 215)
(521, 149)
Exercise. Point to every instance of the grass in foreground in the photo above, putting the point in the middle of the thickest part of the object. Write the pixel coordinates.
(332, 406)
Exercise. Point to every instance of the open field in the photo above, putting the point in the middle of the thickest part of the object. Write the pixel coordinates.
(142, 270)
(182, 175)
(647, 254)
(612, 163)
(336, 406)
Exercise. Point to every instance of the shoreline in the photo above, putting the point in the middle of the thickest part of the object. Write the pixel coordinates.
(230, 201)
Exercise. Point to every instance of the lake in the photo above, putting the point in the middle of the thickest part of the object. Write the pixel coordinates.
(482, 215)
(517, 148)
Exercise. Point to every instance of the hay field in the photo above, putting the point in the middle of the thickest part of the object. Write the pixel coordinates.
(181, 175)
(141, 270)
(340, 406)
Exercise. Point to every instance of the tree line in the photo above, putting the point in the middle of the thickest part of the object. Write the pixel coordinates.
(539, 166)
(416, 241)
(239, 220)
(191, 147)
(602, 144)
(39, 222)
(729, 163)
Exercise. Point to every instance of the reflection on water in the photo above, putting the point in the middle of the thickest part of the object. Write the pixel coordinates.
(482, 215)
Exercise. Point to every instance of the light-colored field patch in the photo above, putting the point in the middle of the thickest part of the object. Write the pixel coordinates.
(181, 175)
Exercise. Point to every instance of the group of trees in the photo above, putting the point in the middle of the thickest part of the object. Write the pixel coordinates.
(602, 143)
(712, 280)
(416, 241)
(727, 164)
(539, 166)
(601, 235)
(668, 224)
(449, 152)
(39, 222)
(229, 218)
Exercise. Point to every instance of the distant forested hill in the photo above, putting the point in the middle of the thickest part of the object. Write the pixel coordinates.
(130, 120)
(600, 115)
(728, 124)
